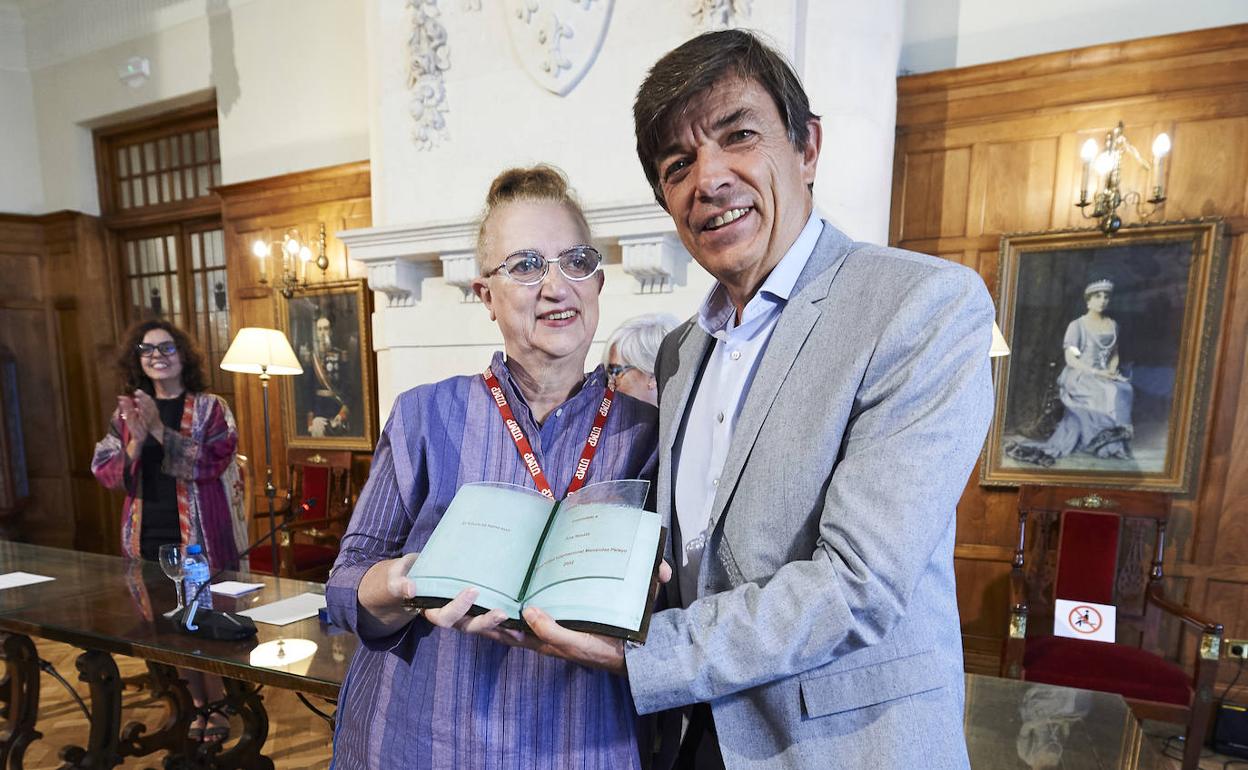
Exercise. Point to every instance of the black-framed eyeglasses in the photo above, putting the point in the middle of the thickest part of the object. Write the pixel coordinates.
(529, 267)
(147, 350)
(615, 371)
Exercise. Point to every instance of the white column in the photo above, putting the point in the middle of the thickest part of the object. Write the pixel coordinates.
(847, 59)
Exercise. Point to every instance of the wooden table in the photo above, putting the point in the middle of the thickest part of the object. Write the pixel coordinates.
(108, 605)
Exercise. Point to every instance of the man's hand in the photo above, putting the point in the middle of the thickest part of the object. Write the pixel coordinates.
(592, 650)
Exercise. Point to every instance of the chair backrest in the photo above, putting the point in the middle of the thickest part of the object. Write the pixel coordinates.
(1104, 542)
(320, 482)
(1087, 556)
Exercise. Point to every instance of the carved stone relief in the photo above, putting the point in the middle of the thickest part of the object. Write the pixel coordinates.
(429, 59)
(557, 41)
(720, 14)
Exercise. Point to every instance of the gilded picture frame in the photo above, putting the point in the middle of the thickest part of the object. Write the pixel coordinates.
(333, 404)
(1113, 342)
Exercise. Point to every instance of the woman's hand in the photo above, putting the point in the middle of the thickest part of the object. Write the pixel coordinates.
(134, 425)
(386, 585)
(150, 415)
(452, 615)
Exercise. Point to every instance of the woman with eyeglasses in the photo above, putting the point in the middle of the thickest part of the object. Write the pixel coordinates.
(439, 688)
(171, 446)
(631, 351)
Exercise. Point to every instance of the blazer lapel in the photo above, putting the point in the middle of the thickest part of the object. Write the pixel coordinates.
(674, 399)
(674, 395)
(793, 327)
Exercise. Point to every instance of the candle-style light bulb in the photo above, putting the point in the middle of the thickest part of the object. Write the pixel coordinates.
(1161, 145)
(1161, 148)
(1087, 153)
(1104, 163)
(261, 250)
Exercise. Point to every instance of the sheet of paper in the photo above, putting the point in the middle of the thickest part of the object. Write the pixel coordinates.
(286, 611)
(235, 588)
(18, 579)
(1084, 620)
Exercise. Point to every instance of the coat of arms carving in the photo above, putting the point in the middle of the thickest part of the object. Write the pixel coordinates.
(557, 40)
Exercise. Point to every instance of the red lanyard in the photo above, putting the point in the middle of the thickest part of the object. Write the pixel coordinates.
(526, 450)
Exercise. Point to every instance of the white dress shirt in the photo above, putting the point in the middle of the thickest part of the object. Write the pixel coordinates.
(706, 433)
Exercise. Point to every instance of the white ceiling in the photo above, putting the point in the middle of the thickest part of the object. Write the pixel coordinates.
(60, 30)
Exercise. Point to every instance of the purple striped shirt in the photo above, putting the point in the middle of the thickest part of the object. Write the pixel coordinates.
(425, 697)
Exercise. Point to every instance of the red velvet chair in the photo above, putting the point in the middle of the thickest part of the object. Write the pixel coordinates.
(1092, 547)
(318, 502)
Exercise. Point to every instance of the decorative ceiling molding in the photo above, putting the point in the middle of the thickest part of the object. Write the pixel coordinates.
(61, 30)
(656, 260)
(459, 268)
(557, 41)
(720, 14)
(429, 59)
(399, 257)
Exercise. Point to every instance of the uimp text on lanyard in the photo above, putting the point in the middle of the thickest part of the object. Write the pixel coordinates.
(526, 449)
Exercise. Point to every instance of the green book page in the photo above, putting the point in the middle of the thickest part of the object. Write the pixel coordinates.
(586, 541)
(588, 594)
(485, 539)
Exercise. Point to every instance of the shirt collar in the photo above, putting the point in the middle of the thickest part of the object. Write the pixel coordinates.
(593, 383)
(717, 312)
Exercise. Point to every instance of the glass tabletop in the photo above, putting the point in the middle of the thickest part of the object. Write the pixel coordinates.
(116, 605)
(1016, 725)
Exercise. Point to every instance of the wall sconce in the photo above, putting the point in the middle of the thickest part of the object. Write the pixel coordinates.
(293, 258)
(1108, 166)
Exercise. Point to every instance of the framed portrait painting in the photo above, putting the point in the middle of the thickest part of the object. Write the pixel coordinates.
(1112, 346)
(332, 404)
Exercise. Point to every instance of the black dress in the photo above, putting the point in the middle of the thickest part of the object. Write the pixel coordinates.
(160, 490)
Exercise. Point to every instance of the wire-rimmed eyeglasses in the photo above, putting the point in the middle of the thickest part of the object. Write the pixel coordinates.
(529, 267)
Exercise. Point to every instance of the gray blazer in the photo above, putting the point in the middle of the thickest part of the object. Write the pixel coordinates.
(825, 630)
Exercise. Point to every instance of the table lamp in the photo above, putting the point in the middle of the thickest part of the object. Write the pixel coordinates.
(265, 352)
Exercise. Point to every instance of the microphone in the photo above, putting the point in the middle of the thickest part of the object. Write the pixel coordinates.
(229, 626)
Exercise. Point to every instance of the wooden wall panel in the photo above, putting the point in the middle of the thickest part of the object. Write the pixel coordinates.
(81, 281)
(1204, 150)
(1020, 125)
(340, 198)
(927, 176)
(55, 271)
(1018, 186)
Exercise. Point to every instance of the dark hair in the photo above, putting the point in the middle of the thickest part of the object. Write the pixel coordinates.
(692, 69)
(131, 370)
(538, 183)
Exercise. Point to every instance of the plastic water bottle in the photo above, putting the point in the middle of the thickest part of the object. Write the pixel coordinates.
(196, 571)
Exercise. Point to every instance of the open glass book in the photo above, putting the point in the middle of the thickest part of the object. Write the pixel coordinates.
(588, 560)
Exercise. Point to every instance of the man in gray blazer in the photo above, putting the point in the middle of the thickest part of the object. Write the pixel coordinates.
(820, 417)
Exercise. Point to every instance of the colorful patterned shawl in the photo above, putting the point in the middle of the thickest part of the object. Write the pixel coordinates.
(202, 458)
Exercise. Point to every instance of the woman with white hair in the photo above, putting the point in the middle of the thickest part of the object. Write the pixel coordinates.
(631, 351)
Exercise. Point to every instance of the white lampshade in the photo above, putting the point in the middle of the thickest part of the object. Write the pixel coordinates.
(999, 348)
(256, 350)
